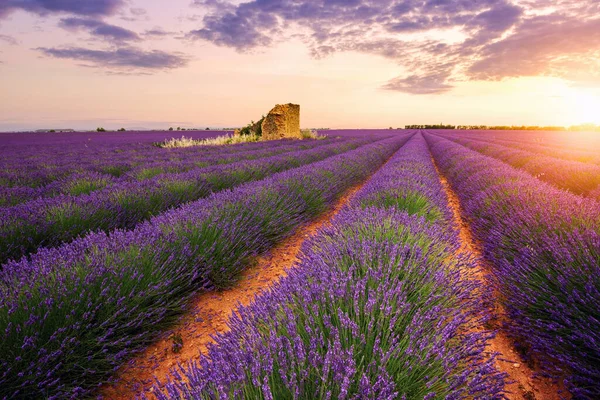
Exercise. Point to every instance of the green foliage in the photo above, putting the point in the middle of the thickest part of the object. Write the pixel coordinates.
(100, 129)
(253, 128)
(406, 200)
(85, 186)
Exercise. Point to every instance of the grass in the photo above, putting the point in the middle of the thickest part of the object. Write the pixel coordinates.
(228, 139)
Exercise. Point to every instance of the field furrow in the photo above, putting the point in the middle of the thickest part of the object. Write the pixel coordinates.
(523, 381)
(543, 245)
(84, 177)
(71, 316)
(577, 177)
(51, 222)
(375, 308)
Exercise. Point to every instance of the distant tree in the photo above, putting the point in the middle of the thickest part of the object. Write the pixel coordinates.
(100, 129)
(207, 129)
(52, 131)
(171, 128)
(122, 130)
(178, 128)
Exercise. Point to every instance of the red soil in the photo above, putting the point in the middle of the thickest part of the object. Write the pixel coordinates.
(523, 380)
(209, 314)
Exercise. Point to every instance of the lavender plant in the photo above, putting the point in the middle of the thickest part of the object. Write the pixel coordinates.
(375, 309)
(578, 177)
(50, 222)
(71, 315)
(544, 244)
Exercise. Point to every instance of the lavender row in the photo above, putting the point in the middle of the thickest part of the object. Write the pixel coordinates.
(81, 139)
(50, 222)
(71, 316)
(544, 244)
(43, 166)
(578, 177)
(586, 156)
(570, 141)
(89, 179)
(375, 309)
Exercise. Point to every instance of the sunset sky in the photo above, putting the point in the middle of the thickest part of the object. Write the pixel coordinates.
(349, 63)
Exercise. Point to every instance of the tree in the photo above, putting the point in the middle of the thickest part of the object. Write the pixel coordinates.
(100, 129)
(171, 128)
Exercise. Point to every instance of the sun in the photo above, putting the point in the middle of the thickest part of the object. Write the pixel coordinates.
(584, 107)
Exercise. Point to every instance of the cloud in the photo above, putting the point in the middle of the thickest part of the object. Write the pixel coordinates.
(139, 12)
(420, 84)
(77, 7)
(9, 39)
(365, 26)
(121, 60)
(158, 33)
(439, 41)
(550, 45)
(135, 14)
(100, 29)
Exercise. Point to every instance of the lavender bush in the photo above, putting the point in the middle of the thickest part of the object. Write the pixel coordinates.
(375, 309)
(537, 144)
(71, 315)
(57, 173)
(50, 222)
(544, 244)
(578, 177)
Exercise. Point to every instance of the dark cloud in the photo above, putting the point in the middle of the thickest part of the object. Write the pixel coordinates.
(100, 29)
(77, 7)
(9, 39)
(122, 60)
(486, 39)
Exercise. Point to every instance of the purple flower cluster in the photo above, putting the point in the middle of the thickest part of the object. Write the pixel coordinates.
(51, 221)
(35, 160)
(375, 309)
(71, 315)
(544, 244)
(569, 149)
(578, 177)
(47, 173)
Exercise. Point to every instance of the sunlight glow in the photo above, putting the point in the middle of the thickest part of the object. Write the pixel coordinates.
(584, 107)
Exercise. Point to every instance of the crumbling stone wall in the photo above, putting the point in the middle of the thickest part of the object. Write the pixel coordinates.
(283, 121)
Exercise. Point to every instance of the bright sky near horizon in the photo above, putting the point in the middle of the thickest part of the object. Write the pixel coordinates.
(349, 63)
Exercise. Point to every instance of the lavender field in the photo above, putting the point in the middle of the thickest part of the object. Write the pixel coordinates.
(432, 264)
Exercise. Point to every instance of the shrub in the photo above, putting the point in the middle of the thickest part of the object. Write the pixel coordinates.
(311, 134)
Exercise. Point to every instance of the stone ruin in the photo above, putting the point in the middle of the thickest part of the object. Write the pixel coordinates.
(282, 122)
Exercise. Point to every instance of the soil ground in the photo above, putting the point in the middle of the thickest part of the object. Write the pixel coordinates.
(209, 314)
(523, 382)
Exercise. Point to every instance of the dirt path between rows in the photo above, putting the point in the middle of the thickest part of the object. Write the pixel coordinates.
(523, 383)
(209, 314)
